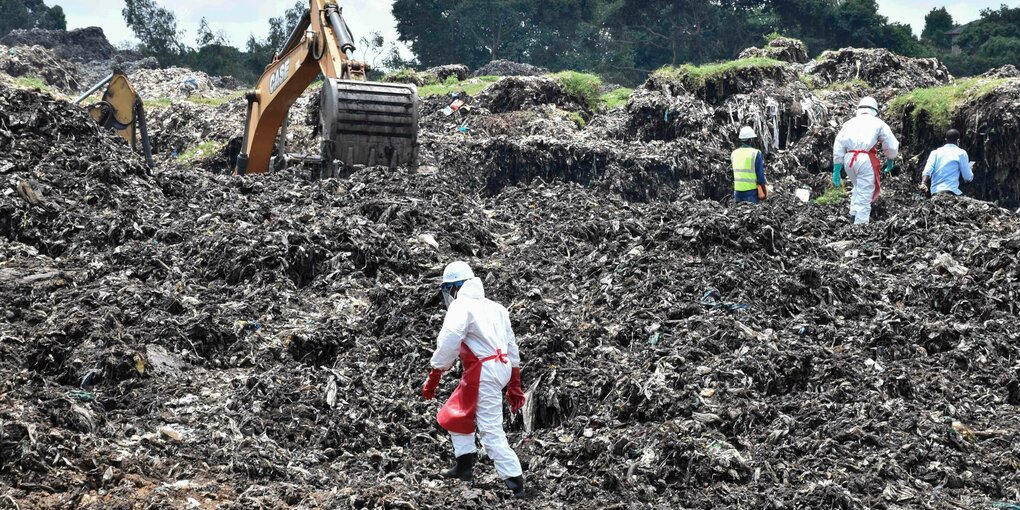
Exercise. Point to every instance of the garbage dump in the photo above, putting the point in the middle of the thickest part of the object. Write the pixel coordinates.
(879, 68)
(69, 61)
(442, 73)
(779, 48)
(501, 67)
(83, 44)
(186, 339)
(38, 63)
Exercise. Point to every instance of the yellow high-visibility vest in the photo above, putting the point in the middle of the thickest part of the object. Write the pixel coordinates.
(744, 176)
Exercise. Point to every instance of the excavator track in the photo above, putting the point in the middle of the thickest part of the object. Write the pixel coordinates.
(369, 123)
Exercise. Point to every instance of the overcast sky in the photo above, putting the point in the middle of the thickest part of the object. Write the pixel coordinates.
(241, 18)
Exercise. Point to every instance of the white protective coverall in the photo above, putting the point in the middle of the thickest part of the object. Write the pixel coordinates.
(862, 133)
(484, 327)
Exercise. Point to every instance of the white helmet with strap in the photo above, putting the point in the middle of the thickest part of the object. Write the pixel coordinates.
(747, 133)
(454, 276)
(868, 103)
(457, 271)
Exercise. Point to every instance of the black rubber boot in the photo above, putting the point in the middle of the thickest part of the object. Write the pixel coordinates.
(463, 469)
(516, 485)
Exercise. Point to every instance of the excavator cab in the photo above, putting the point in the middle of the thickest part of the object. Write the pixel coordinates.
(121, 111)
(362, 122)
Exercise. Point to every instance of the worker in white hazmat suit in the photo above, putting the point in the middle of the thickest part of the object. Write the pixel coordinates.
(477, 330)
(856, 150)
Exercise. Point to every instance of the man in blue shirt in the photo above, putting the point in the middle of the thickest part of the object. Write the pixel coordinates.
(749, 184)
(946, 165)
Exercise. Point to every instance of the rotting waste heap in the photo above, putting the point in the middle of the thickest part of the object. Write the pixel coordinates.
(260, 341)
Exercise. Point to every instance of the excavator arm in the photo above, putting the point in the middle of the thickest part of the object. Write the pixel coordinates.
(121, 111)
(362, 123)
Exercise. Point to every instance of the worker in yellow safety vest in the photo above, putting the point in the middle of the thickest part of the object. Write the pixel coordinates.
(749, 184)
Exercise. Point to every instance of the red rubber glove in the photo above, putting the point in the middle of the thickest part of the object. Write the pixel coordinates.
(429, 392)
(514, 394)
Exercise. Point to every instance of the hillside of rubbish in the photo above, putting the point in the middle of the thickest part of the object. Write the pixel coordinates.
(183, 338)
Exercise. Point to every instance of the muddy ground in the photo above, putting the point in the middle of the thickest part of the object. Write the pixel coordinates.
(178, 338)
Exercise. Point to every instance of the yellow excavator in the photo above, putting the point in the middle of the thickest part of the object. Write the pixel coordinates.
(120, 110)
(362, 122)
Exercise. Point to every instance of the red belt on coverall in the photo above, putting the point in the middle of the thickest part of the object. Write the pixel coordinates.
(458, 413)
(873, 154)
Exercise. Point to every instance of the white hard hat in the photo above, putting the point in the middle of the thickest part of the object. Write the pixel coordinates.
(747, 133)
(868, 102)
(457, 271)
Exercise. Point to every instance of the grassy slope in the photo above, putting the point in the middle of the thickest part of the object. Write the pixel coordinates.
(940, 103)
(699, 75)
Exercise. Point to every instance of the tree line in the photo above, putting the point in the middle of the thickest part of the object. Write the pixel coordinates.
(622, 40)
(16, 14)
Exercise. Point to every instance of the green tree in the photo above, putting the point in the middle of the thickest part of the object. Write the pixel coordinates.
(206, 36)
(936, 24)
(992, 41)
(15, 14)
(372, 47)
(260, 51)
(156, 29)
(472, 32)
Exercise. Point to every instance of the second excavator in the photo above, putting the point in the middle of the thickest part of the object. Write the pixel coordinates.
(361, 122)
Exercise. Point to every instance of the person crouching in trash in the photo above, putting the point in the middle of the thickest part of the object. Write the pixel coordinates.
(478, 331)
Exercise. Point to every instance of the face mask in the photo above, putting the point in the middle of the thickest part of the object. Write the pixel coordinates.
(446, 289)
(447, 298)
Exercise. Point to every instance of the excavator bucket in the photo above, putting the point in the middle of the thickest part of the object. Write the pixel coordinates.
(120, 110)
(369, 123)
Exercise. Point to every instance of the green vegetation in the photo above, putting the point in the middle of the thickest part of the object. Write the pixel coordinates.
(586, 87)
(31, 82)
(992, 41)
(618, 40)
(940, 103)
(848, 85)
(407, 75)
(577, 119)
(15, 14)
(470, 86)
(201, 151)
(698, 76)
(616, 98)
(614, 39)
(776, 36)
(831, 196)
(165, 102)
(217, 101)
(156, 102)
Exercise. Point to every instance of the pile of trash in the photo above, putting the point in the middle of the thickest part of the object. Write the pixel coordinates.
(41, 63)
(82, 44)
(1006, 71)
(91, 72)
(69, 61)
(879, 68)
(783, 49)
(180, 83)
(516, 93)
(508, 68)
(441, 73)
(185, 125)
(184, 338)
